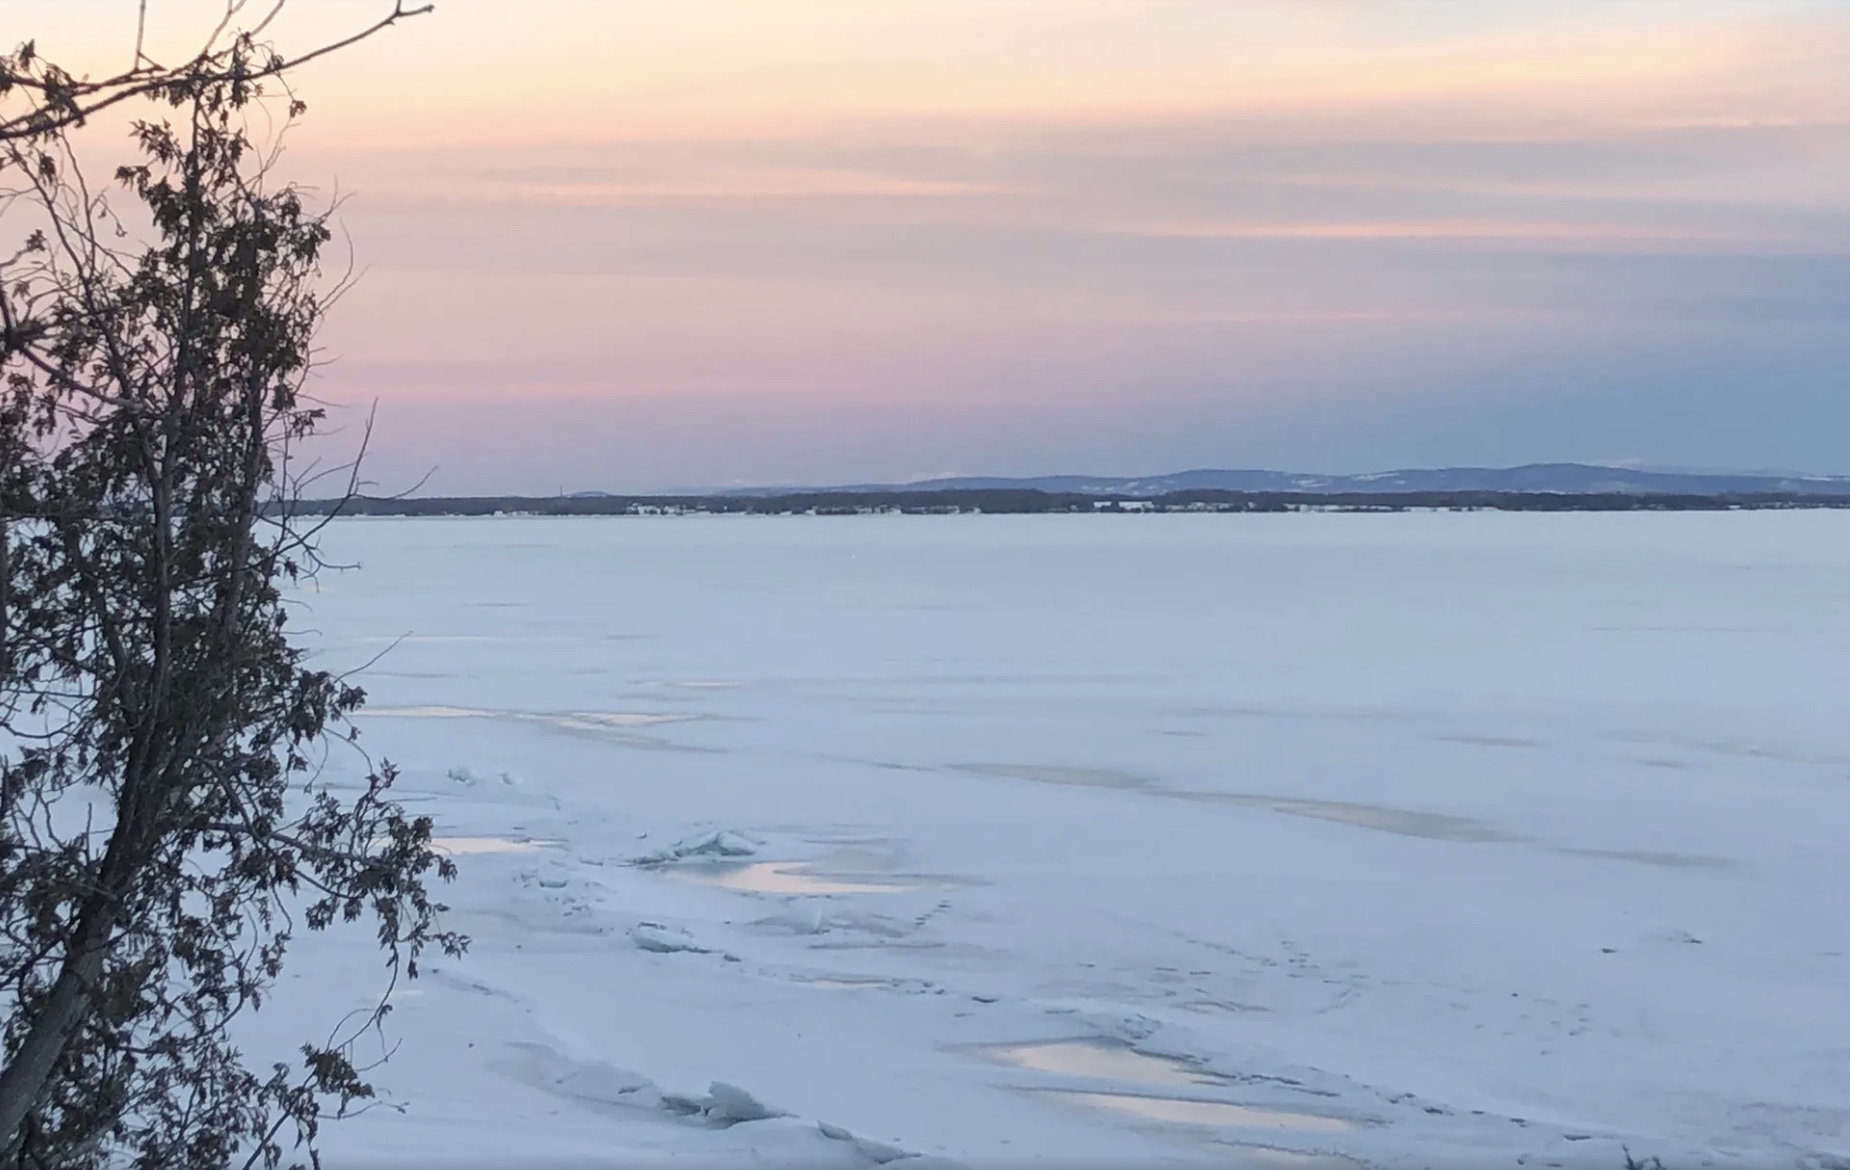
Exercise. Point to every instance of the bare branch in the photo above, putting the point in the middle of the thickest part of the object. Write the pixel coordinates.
(75, 102)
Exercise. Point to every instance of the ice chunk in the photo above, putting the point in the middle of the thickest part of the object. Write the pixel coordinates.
(882, 1154)
(729, 1103)
(724, 843)
(878, 1152)
(718, 843)
(665, 940)
(679, 1103)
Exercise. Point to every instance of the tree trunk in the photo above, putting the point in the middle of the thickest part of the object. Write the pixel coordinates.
(28, 1075)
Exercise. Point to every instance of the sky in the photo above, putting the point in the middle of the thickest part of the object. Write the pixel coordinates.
(641, 245)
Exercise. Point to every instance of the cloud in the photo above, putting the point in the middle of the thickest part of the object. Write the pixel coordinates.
(733, 186)
(1509, 231)
(1010, 236)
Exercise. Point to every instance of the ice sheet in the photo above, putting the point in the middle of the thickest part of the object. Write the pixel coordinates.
(1484, 839)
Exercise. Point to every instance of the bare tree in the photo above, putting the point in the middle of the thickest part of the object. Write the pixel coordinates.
(164, 816)
(59, 101)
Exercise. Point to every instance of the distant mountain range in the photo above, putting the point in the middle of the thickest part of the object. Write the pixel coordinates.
(1564, 478)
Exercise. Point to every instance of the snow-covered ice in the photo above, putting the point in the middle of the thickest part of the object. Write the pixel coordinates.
(1410, 840)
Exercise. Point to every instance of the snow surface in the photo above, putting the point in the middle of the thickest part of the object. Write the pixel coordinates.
(1404, 840)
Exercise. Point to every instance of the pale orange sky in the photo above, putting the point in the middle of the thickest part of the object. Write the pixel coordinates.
(650, 244)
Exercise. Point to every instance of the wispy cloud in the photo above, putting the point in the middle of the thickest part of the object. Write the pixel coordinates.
(738, 186)
(1435, 229)
(1021, 235)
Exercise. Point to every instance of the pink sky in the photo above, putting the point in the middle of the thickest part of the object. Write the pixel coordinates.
(645, 245)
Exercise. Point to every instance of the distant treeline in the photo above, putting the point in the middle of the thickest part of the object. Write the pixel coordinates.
(1023, 501)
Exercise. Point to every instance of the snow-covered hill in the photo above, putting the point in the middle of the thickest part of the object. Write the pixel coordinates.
(1574, 478)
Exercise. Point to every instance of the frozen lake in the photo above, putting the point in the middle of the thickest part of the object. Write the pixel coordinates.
(1319, 840)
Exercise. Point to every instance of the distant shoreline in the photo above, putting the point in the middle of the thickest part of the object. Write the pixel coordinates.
(1032, 502)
